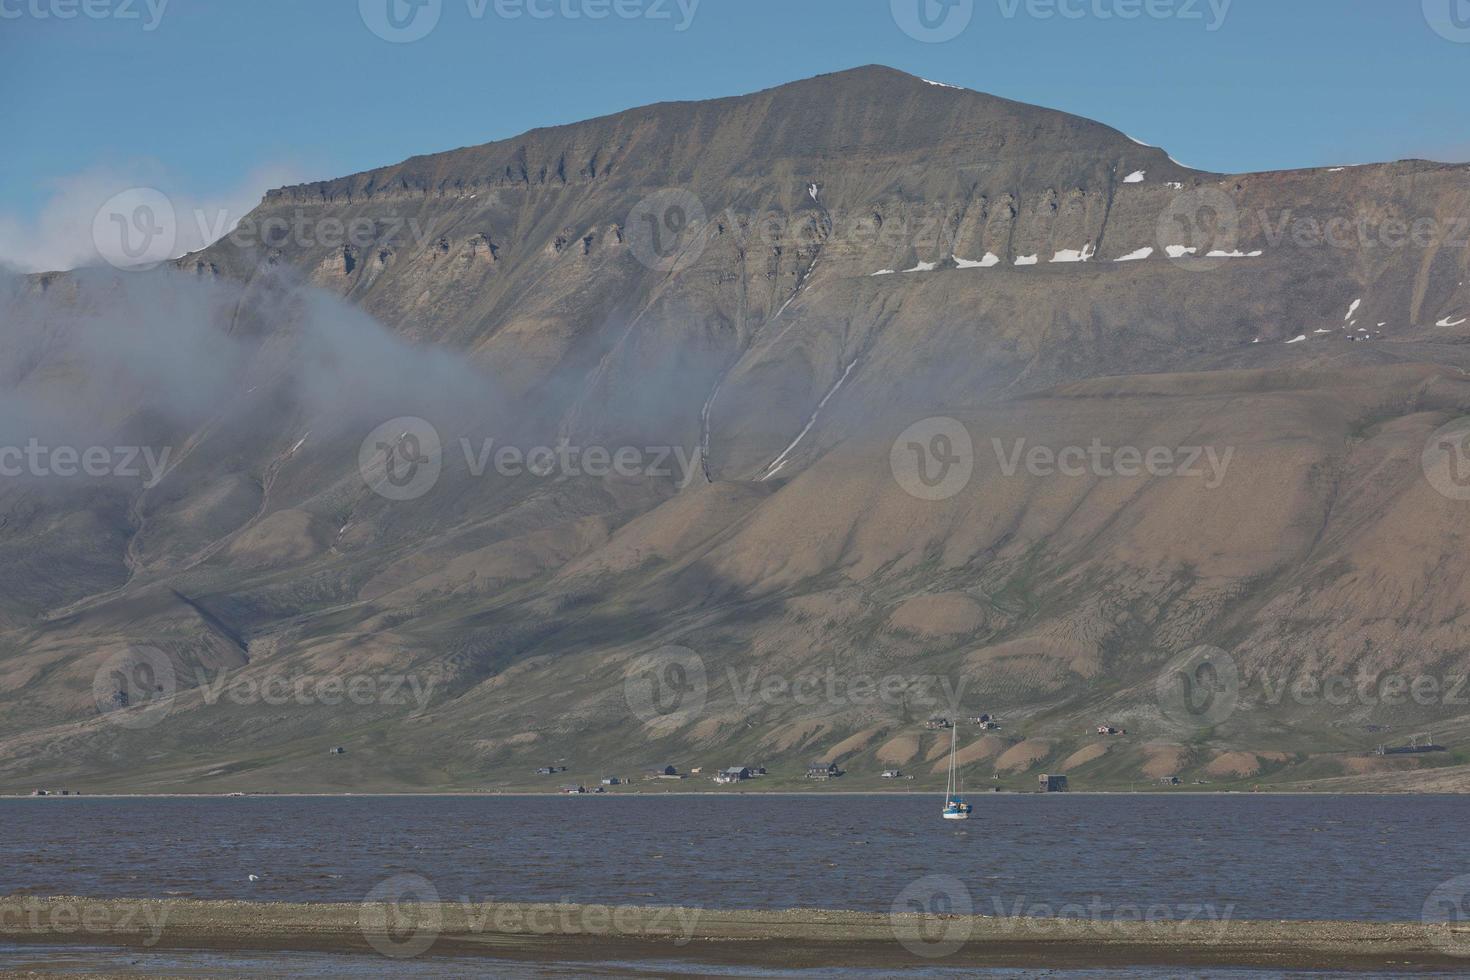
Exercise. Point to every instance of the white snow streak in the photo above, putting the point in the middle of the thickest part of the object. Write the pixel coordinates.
(782, 459)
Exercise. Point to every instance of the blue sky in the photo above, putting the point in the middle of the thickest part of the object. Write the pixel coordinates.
(213, 101)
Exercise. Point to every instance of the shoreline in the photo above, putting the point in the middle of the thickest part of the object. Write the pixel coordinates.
(610, 794)
(794, 938)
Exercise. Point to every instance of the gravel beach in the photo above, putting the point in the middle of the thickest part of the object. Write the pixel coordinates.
(786, 939)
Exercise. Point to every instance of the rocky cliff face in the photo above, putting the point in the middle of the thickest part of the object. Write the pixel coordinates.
(908, 382)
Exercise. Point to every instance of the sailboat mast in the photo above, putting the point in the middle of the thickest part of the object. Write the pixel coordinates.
(949, 785)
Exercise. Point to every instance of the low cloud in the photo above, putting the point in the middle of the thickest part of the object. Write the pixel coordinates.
(60, 235)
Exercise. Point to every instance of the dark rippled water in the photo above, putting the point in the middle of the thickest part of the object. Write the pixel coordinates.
(1371, 858)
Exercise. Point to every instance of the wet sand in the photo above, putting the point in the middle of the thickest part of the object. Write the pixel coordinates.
(786, 939)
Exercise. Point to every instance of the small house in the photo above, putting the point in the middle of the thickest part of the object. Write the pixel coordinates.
(892, 773)
(935, 724)
(732, 774)
(574, 789)
(663, 772)
(1051, 784)
(757, 770)
(823, 770)
(611, 781)
(1169, 781)
(550, 770)
(336, 750)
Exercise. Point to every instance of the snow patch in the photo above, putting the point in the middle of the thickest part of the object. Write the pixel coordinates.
(1174, 185)
(1136, 177)
(924, 267)
(1297, 339)
(1353, 309)
(1142, 253)
(990, 259)
(1237, 254)
(1446, 322)
(883, 272)
(812, 190)
(928, 81)
(1075, 255)
(1026, 260)
(1180, 251)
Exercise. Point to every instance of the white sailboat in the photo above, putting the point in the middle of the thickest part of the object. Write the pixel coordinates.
(955, 807)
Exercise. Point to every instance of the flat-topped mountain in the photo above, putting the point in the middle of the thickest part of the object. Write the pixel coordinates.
(862, 377)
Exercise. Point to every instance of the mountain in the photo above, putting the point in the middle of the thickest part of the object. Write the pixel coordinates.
(744, 343)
